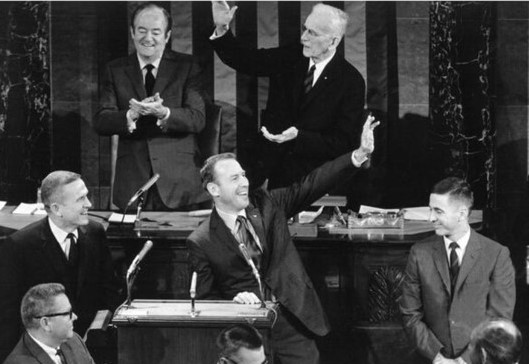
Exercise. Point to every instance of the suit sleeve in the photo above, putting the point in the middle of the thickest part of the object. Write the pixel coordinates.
(301, 195)
(344, 130)
(199, 262)
(110, 119)
(189, 117)
(10, 297)
(502, 293)
(411, 307)
(257, 62)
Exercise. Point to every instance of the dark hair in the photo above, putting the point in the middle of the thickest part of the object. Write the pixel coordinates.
(231, 339)
(207, 172)
(499, 339)
(51, 184)
(456, 188)
(151, 5)
(37, 302)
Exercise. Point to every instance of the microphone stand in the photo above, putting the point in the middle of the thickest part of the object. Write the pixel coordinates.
(130, 282)
(138, 211)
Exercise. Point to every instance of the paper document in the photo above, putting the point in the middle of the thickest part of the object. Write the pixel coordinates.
(29, 209)
(115, 217)
(200, 213)
(2, 204)
(421, 213)
(306, 217)
(364, 209)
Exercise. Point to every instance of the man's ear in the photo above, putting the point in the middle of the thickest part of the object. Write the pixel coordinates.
(167, 36)
(55, 209)
(213, 189)
(132, 32)
(484, 354)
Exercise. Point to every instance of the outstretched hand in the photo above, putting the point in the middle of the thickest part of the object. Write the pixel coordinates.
(222, 15)
(367, 140)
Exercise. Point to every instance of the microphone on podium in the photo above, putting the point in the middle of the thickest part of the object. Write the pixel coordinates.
(134, 265)
(143, 189)
(193, 293)
(255, 271)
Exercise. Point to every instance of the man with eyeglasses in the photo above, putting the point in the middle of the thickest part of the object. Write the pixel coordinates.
(316, 98)
(65, 247)
(48, 318)
(241, 344)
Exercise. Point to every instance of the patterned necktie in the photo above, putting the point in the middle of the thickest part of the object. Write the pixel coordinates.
(309, 78)
(454, 265)
(245, 237)
(60, 354)
(73, 254)
(149, 79)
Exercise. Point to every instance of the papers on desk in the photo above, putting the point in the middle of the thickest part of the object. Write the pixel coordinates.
(2, 204)
(306, 217)
(421, 213)
(200, 213)
(30, 209)
(118, 218)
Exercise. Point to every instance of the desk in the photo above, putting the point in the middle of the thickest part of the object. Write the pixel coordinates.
(351, 272)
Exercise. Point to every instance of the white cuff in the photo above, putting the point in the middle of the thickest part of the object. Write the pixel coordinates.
(165, 117)
(215, 35)
(357, 162)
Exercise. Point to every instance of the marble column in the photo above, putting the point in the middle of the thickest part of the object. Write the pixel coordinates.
(462, 129)
(24, 99)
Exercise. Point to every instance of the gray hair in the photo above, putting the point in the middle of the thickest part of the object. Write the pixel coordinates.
(338, 19)
(50, 189)
(37, 302)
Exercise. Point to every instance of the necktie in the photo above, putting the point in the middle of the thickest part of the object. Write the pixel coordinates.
(60, 354)
(245, 237)
(73, 254)
(454, 265)
(309, 78)
(149, 79)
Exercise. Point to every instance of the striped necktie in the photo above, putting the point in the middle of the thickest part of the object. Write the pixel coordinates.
(309, 78)
(454, 265)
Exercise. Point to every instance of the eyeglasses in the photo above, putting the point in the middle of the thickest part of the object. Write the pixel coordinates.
(224, 360)
(69, 313)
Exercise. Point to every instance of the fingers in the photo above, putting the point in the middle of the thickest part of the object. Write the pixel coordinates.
(247, 298)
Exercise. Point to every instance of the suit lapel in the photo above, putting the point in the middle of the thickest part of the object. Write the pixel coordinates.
(165, 74)
(441, 263)
(470, 258)
(84, 259)
(135, 76)
(36, 351)
(254, 215)
(299, 79)
(51, 247)
(326, 78)
(222, 234)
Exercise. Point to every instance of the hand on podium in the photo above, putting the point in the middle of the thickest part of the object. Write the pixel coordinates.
(247, 298)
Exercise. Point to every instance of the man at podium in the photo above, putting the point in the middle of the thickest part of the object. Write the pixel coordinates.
(247, 237)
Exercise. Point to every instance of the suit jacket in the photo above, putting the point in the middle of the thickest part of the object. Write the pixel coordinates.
(173, 154)
(32, 256)
(329, 118)
(485, 288)
(28, 351)
(221, 268)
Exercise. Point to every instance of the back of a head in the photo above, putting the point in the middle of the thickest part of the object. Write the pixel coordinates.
(37, 301)
(337, 18)
(51, 185)
(457, 188)
(238, 336)
(496, 341)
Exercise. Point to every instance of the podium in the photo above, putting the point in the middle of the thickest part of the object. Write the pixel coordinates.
(164, 331)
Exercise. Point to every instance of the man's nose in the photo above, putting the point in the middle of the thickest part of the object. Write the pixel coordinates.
(88, 203)
(432, 217)
(304, 36)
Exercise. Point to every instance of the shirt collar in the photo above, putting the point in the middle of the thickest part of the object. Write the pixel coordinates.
(230, 219)
(60, 234)
(156, 63)
(462, 242)
(321, 65)
(52, 352)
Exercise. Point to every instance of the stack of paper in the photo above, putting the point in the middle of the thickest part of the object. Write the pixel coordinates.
(30, 209)
(120, 218)
(421, 213)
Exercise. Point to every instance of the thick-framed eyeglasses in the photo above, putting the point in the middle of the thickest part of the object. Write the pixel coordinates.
(69, 313)
(224, 360)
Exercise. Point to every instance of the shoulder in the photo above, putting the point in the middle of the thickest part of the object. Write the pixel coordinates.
(29, 231)
(201, 233)
(120, 62)
(426, 245)
(488, 244)
(172, 56)
(347, 68)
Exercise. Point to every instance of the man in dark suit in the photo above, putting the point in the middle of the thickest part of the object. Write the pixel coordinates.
(258, 221)
(241, 344)
(49, 337)
(496, 341)
(159, 133)
(64, 247)
(454, 280)
(311, 117)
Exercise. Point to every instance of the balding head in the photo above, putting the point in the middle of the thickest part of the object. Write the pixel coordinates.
(496, 341)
